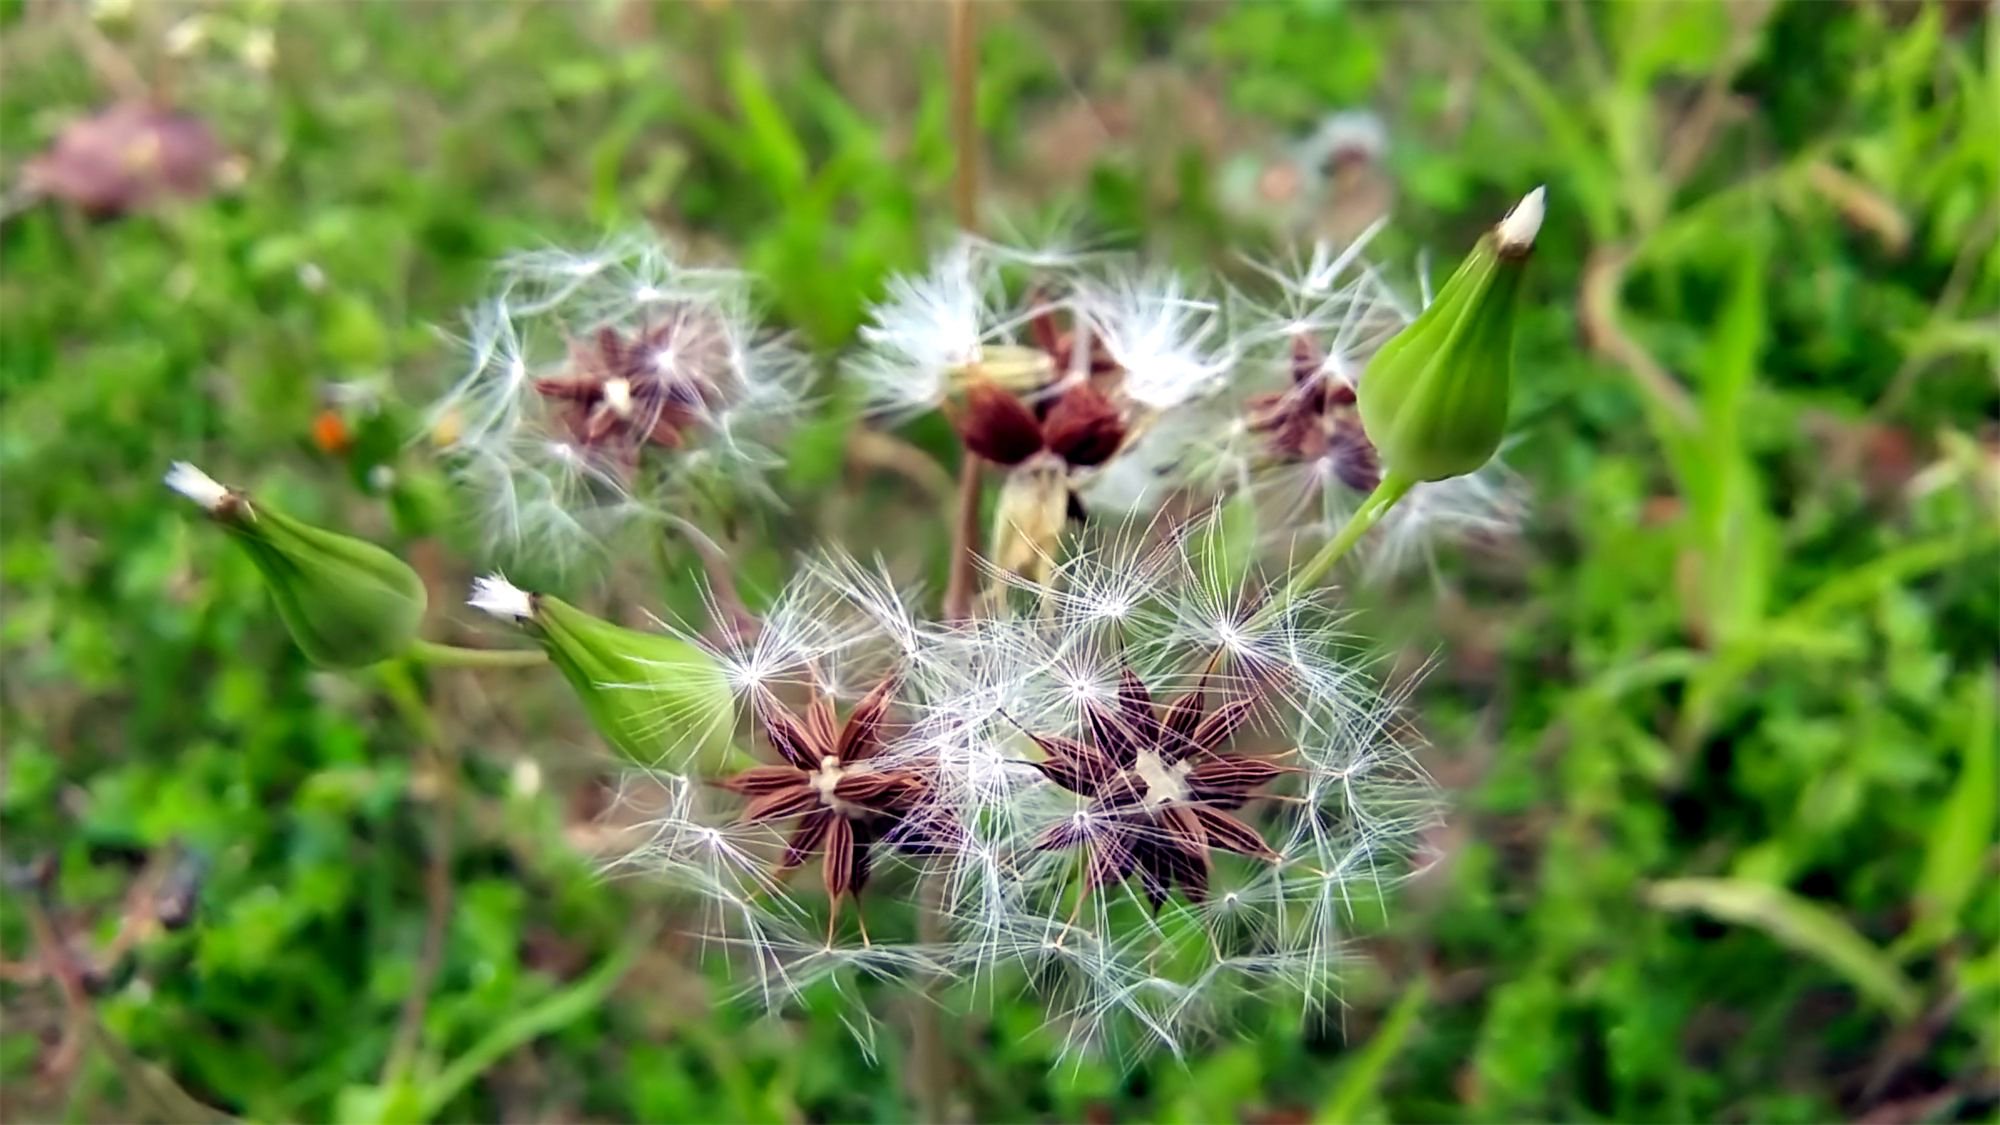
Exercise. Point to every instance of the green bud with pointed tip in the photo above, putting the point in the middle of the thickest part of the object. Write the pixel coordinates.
(658, 699)
(1434, 399)
(347, 602)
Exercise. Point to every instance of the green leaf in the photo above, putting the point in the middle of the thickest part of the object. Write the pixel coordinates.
(1858, 584)
(390, 1104)
(1962, 836)
(1739, 539)
(1801, 925)
(773, 145)
(1360, 1083)
(818, 448)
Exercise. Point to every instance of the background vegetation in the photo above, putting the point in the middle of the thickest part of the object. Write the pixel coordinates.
(1719, 731)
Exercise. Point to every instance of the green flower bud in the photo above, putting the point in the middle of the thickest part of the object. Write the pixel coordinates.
(347, 602)
(1434, 399)
(656, 698)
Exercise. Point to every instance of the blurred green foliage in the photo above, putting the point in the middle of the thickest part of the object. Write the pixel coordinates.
(1720, 734)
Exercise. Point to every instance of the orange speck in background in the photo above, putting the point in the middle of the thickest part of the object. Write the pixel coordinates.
(330, 433)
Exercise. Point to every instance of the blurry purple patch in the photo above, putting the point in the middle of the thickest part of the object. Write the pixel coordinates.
(128, 157)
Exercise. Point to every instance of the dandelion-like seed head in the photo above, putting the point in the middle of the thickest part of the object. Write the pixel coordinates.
(1198, 752)
(599, 382)
(931, 329)
(1137, 786)
(1141, 793)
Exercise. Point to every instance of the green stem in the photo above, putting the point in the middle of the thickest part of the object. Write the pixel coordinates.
(400, 685)
(1392, 489)
(572, 1002)
(931, 1052)
(452, 656)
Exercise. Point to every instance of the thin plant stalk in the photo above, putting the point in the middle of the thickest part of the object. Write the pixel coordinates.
(958, 593)
(929, 1057)
(965, 113)
(401, 688)
(964, 66)
(1386, 495)
(455, 656)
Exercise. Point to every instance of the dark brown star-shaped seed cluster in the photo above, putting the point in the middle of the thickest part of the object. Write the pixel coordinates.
(1160, 786)
(1045, 450)
(1081, 427)
(1315, 421)
(1046, 441)
(623, 391)
(843, 801)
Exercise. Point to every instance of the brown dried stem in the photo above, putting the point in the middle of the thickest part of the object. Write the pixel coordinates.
(965, 112)
(964, 65)
(143, 1081)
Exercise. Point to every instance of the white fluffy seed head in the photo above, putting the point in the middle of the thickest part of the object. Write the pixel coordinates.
(1335, 302)
(1170, 342)
(198, 486)
(552, 477)
(929, 327)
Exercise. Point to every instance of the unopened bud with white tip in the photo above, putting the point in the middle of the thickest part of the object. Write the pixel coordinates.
(346, 601)
(656, 698)
(1434, 400)
(198, 486)
(1516, 232)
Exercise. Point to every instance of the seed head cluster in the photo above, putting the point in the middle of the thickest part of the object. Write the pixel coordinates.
(1095, 385)
(1136, 784)
(611, 387)
(1138, 791)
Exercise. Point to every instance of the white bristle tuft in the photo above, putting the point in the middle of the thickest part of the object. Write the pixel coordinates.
(501, 598)
(196, 485)
(1518, 230)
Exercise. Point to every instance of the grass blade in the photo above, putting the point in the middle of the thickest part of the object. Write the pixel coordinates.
(1361, 1081)
(1802, 925)
(553, 1013)
(1955, 854)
